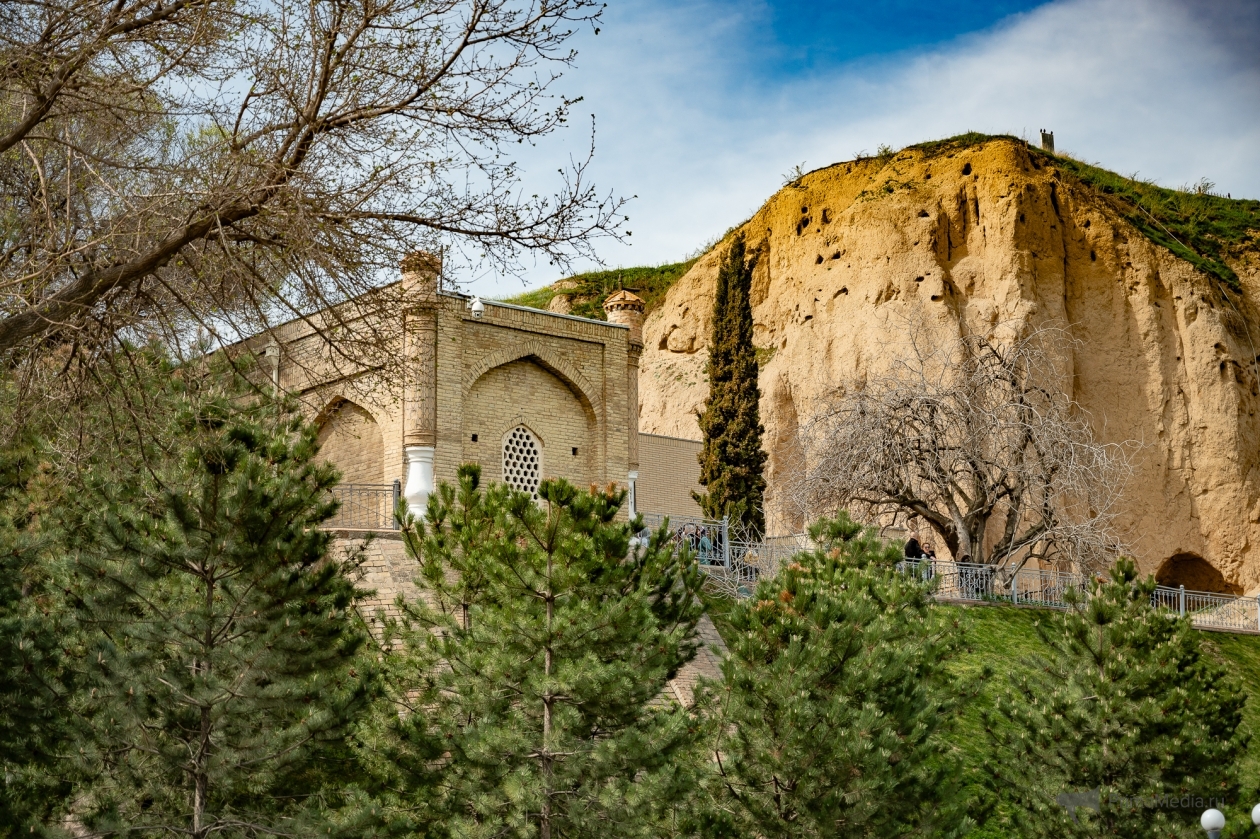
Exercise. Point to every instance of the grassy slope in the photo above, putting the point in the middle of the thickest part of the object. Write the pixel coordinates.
(1002, 638)
(590, 289)
(1200, 227)
(1204, 229)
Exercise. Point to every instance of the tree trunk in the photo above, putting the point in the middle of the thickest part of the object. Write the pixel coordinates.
(548, 699)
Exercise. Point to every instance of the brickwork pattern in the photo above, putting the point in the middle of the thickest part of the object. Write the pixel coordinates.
(351, 438)
(669, 470)
(707, 664)
(523, 393)
(386, 571)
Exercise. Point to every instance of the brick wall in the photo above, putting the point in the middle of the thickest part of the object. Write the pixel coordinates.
(522, 392)
(351, 438)
(668, 473)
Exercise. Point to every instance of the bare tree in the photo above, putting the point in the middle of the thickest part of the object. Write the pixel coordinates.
(977, 438)
(168, 166)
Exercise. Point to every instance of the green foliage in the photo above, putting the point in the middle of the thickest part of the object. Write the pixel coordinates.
(222, 646)
(1127, 705)
(732, 461)
(34, 725)
(534, 657)
(831, 715)
(1196, 225)
(589, 290)
(1199, 227)
(958, 142)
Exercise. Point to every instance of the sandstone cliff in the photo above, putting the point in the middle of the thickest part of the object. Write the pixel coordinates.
(988, 236)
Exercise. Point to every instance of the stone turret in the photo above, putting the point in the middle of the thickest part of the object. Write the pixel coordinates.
(626, 309)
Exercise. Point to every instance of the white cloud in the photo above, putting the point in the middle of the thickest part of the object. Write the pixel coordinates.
(686, 123)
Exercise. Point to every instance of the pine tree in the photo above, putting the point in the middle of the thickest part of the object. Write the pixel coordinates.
(828, 719)
(34, 725)
(538, 652)
(1126, 716)
(224, 657)
(732, 460)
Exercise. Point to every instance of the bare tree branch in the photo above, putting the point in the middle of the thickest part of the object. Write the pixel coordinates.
(175, 164)
(976, 437)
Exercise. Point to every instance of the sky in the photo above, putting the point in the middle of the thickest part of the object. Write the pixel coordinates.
(702, 107)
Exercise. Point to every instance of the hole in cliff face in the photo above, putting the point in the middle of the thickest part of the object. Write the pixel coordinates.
(1195, 573)
(927, 176)
(918, 279)
(802, 225)
(923, 213)
(1086, 224)
(836, 255)
(804, 210)
(966, 168)
(818, 260)
(826, 216)
(1021, 218)
(1093, 257)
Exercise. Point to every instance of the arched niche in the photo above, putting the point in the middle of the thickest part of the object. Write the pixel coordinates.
(350, 438)
(1194, 572)
(525, 393)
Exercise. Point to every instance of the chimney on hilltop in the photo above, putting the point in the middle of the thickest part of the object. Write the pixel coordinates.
(1047, 140)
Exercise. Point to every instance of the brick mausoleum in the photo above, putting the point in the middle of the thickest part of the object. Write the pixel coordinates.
(525, 393)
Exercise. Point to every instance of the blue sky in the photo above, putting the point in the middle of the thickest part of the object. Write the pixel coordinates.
(806, 36)
(702, 106)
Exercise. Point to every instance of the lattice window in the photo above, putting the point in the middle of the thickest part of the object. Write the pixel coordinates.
(522, 460)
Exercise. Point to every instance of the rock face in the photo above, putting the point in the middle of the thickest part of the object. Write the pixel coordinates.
(983, 239)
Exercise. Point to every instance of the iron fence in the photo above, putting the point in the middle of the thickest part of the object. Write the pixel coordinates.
(975, 583)
(365, 506)
(736, 566)
(708, 539)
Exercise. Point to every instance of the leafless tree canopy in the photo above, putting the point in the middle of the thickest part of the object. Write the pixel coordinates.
(229, 164)
(979, 442)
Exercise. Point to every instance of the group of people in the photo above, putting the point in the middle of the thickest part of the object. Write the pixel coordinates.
(699, 538)
(918, 549)
(704, 541)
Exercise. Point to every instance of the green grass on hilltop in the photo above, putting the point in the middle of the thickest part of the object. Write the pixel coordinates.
(590, 289)
(999, 640)
(1197, 225)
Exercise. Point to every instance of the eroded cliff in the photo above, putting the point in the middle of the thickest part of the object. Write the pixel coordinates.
(999, 236)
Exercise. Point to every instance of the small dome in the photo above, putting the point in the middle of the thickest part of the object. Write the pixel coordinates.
(623, 300)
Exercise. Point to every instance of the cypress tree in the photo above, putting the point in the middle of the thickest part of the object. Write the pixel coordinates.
(537, 654)
(829, 719)
(732, 460)
(223, 657)
(1127, 730)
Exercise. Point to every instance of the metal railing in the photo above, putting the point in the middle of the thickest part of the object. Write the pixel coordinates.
(365, 506)
(708, 539)
(975, 583)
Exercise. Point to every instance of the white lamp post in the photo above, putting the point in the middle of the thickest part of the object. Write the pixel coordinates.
(1213, 822)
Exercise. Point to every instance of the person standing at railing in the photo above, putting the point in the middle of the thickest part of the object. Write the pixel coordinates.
(706, 546)
(914, 548)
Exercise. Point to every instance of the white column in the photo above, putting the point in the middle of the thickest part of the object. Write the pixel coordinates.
(419, 478)
(631, 478)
